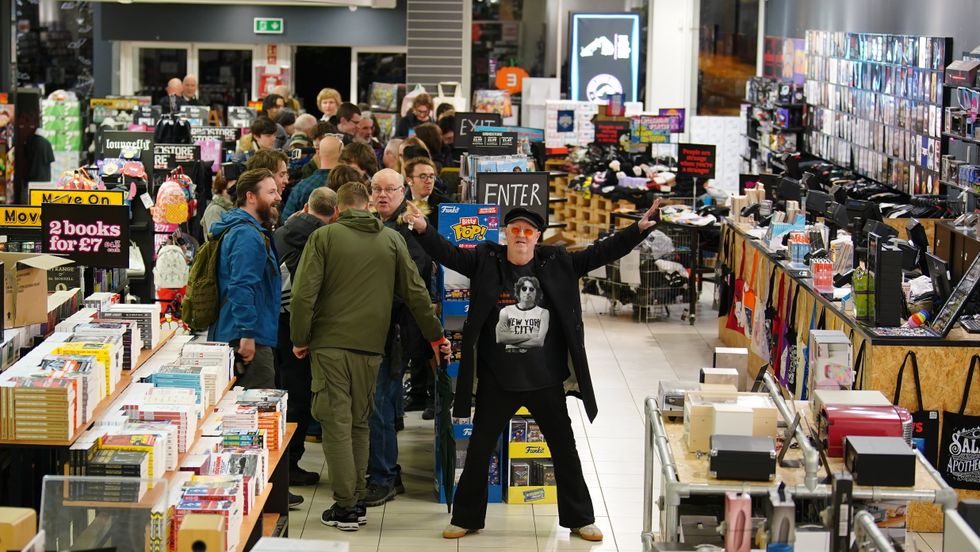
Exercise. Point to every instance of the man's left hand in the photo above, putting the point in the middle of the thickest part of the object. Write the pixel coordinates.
(651, 217)
(442, 349)
(301, 352)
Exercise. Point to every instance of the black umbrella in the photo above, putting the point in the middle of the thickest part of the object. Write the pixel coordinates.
(445, 442)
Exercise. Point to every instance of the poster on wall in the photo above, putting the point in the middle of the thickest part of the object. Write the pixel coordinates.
(784, 59)
(605, 56)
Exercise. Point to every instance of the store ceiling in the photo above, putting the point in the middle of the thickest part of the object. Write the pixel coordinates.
(352, 4)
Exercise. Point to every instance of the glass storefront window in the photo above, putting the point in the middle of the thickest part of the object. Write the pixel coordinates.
(156, 67)
(54, 45)
(727, 46)
(378, 67)
(224, 76)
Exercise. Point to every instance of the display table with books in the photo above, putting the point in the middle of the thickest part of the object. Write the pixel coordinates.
(139, 433)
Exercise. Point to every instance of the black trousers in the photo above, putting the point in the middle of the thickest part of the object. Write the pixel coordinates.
(295, 376)
(494, 408)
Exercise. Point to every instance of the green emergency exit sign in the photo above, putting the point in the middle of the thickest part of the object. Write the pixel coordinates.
(267, 25)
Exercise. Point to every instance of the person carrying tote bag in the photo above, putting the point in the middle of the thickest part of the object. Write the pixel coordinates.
(959, 449)
(925, 423)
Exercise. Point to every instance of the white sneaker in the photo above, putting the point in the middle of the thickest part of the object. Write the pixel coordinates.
(589, 532)
(453, 532)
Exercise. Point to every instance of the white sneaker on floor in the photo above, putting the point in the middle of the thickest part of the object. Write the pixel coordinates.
(453, 532)
(590, 532)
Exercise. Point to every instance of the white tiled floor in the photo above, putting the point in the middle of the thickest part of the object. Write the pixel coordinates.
(627, 361)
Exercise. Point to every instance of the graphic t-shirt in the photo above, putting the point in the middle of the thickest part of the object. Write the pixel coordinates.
(521, 345)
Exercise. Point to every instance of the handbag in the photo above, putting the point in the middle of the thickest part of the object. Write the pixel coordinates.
(859, 361)
(925, 423)
(749, 298)
(457, 100)
(409, 98)
(734, 322)
(725, 276)
(776, 325)
(762, 319)
(803, 367)
(171, 128)
(787, 362)
(959, 449)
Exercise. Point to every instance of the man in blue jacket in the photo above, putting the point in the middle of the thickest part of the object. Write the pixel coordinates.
(249, 280)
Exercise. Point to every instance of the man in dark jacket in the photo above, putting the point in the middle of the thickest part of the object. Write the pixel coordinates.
(405, 341)
(525, 327)
(249, 284)
(294, 373)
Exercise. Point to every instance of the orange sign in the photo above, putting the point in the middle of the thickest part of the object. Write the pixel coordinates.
(271, 53)
(510, 79)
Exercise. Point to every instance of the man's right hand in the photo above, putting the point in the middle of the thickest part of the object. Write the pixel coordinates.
(301, 352)
(415, 219)
(246, 349)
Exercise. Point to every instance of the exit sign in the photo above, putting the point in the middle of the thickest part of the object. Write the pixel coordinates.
(267, 25)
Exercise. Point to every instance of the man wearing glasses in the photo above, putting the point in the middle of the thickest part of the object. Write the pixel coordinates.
(531, 352)
(421, 174)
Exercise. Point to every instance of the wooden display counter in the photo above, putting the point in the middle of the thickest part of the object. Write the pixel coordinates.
(943, 363)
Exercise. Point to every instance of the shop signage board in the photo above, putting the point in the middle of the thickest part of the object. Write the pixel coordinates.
(696, 160)
(510, 190)
(131, 145)
(268, 25)
(196, 115)
(651, 129)
(679, 119)
(605, 56)
(166, 156)
(148, 115)
(466, 123)
(20, 216)
(493, 143)
(610, 132)
(96, 236)
(225, 134)
(78, 197)
(465, 225)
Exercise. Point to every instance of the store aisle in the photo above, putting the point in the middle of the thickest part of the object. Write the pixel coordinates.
(628, 360)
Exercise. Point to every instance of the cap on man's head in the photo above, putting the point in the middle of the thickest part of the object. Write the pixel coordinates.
(527, 215)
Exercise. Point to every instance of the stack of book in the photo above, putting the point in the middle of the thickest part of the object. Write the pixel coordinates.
(128, 331)
(243, 439)
(166, 435)
(177, 376)
(38, 408)
(218, 358)
(174, 396)
(109, 354)
(128, 469)
(271, 406)
(101, 301)
(251, 463)
(147, 316)
(143, 442)
(81, 317)
(229, 509)
(240, 418)
(89, 373)
(182, 416)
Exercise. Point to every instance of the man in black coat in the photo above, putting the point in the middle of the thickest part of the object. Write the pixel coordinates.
(294, 374)
(525, 326)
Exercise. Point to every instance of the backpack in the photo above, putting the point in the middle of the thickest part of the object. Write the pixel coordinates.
(202, 302)
(171, 204)
(171, 267)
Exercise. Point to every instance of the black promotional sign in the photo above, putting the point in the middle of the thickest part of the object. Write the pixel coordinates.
(166, 156)
(148, 115)
(466, 123)
(90, 235)
(131, 145)
(514, 189)
(609, 132)
(196, 115)
(228, 135)
(696, 161)
(605, 56)
(493, 143)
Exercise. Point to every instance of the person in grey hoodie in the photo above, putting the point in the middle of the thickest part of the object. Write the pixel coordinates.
(294, 373)
(222, 201)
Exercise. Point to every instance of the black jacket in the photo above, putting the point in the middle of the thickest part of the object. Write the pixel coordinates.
(291, 238)
(559, 272)
(407, 123)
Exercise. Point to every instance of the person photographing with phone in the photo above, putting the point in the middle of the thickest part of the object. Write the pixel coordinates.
(525, 326)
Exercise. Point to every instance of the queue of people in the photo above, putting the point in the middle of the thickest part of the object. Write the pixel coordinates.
(325, 277)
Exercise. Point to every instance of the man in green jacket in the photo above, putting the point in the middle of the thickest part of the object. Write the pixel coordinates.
(346, 281)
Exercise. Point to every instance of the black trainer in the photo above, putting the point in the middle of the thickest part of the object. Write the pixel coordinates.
(301, 478)
(342, 518)
(295, 500)
(378, 495)
(399, 424)
(361, 510)
(398, 485)
(429, 413)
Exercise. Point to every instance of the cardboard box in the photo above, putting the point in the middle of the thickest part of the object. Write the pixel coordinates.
(17, 527)
(732, 419)
(831, 366)
(207, 528)
(962, 72)
(699, 416)
(720, 376)
(737, 358)
(25, 287)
